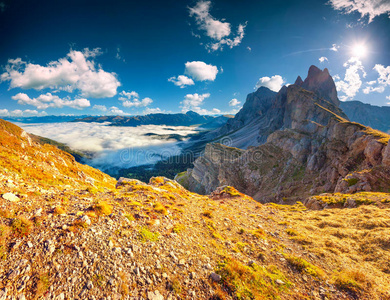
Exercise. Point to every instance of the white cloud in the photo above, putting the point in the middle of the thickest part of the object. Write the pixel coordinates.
(352, 81)
(114, 146)
(384, 74)
(322, 59)
(118, 55)
(388, 98)
(193, 101)
(274, 83)
(29, 112)
(128, 95)
(92, 53)
(182, 81)
(381, 83)
(215, 29)
(136, 103)
(102, 108)
(77, 71)
(334, 48)
(153, 111)
(370, 89)
(234, 102)
(229, 42)
(48, 100)
(4, 112)
(198, 70)
(17, 113)
(21, 113)
(249, 49)
(370, 8)
(201, 71)
(130, 99)
(116, 111)
(234, 111)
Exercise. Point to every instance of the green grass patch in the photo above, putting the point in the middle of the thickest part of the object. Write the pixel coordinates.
(148, 236)
(304, 266)
(21, 226)
(252, 282)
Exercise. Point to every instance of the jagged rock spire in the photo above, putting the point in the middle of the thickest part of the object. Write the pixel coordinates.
(322, 84)
(299, 81)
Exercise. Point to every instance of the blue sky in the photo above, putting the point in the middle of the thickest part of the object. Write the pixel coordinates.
(125, 57)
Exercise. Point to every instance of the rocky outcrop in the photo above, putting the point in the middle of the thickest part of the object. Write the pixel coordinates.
(322, 84)
(342, 157)
(337, 200)
(312, 149)
(251, 125)
(386, 156)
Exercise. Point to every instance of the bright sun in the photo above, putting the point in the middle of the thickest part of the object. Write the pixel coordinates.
(359, 50)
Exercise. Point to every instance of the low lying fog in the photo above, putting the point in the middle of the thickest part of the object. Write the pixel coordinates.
(114, 147)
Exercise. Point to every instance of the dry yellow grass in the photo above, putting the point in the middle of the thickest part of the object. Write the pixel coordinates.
(16, 156)
(253, 247)
(352, 244)
(58, 210)
(102, 208)
(159, 208)
(21, 226)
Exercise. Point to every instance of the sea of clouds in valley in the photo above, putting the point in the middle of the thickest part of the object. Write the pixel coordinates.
(114, 147)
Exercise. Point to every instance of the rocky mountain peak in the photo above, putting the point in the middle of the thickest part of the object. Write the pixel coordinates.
(298, 81)
(306, 106)
(192, 113)
(320, 82)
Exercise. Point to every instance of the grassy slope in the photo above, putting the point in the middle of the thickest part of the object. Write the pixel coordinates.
(43, 164)
(42, 140)
(260, 251)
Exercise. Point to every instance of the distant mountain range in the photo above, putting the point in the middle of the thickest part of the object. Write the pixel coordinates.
(45, 119)
(377, 117)
(188, 119)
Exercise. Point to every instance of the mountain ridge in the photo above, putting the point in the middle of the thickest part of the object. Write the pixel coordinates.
(370, 115)
(264, 111)
(312, 141)
(180, 119)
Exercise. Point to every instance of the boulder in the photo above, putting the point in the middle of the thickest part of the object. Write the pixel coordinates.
(11, 197)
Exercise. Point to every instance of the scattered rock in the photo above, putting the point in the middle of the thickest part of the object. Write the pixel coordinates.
(215, 277)
(89, 285)
(155, 295)
(49, 247)
(11, 197)
(85, 219)
(38, 212)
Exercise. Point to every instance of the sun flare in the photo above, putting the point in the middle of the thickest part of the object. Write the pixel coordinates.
(359, 50)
